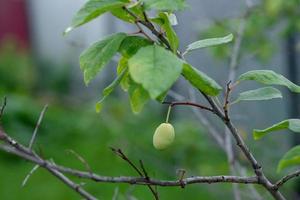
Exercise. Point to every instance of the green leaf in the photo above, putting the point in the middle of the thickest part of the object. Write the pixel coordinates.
(264, 93)
(291, 124)
(109, 89)
(170, 33)
(131, 44)
(162, 97)
(138, 97)
(200, 80)
(291, 158)
(165, 5)
(269, 77)
(93, 59)
(123, 63)
(93, 9)
(99, 106)
(155, 68)
(208, 43)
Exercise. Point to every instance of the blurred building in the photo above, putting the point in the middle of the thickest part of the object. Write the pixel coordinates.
(14, 21)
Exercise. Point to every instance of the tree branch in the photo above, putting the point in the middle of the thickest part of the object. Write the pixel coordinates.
(150, 26)
(244, 148)
(142, 173)
(186, 103)
(132, 180)
(19, 150)
(12, 146)
(286, 178)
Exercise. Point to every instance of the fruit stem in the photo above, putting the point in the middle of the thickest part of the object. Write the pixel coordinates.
(168, 114)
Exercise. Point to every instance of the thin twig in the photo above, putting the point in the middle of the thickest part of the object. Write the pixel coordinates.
(37, 127)
(186, 103)
(233, 66)
(142, 173)
(151, 27)
(120, 153)
(12, 146)
(116, 193)
(81, 159)
(29, 175)
(144, 170)
(181, 176)
(226, 100)
(286, 178)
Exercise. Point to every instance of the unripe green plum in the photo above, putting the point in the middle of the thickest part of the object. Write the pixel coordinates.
(164, 136)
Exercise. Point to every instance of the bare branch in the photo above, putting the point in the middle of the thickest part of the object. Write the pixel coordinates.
(125, 179)
(71, 184)
(144, 170)
(81, 159)
(120, 153)
(286, 178)
(37, 126)
(186, 103)
(142, 173)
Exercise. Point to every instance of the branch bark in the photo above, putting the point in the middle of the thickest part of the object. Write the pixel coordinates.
(24, 153)
(286, 178)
